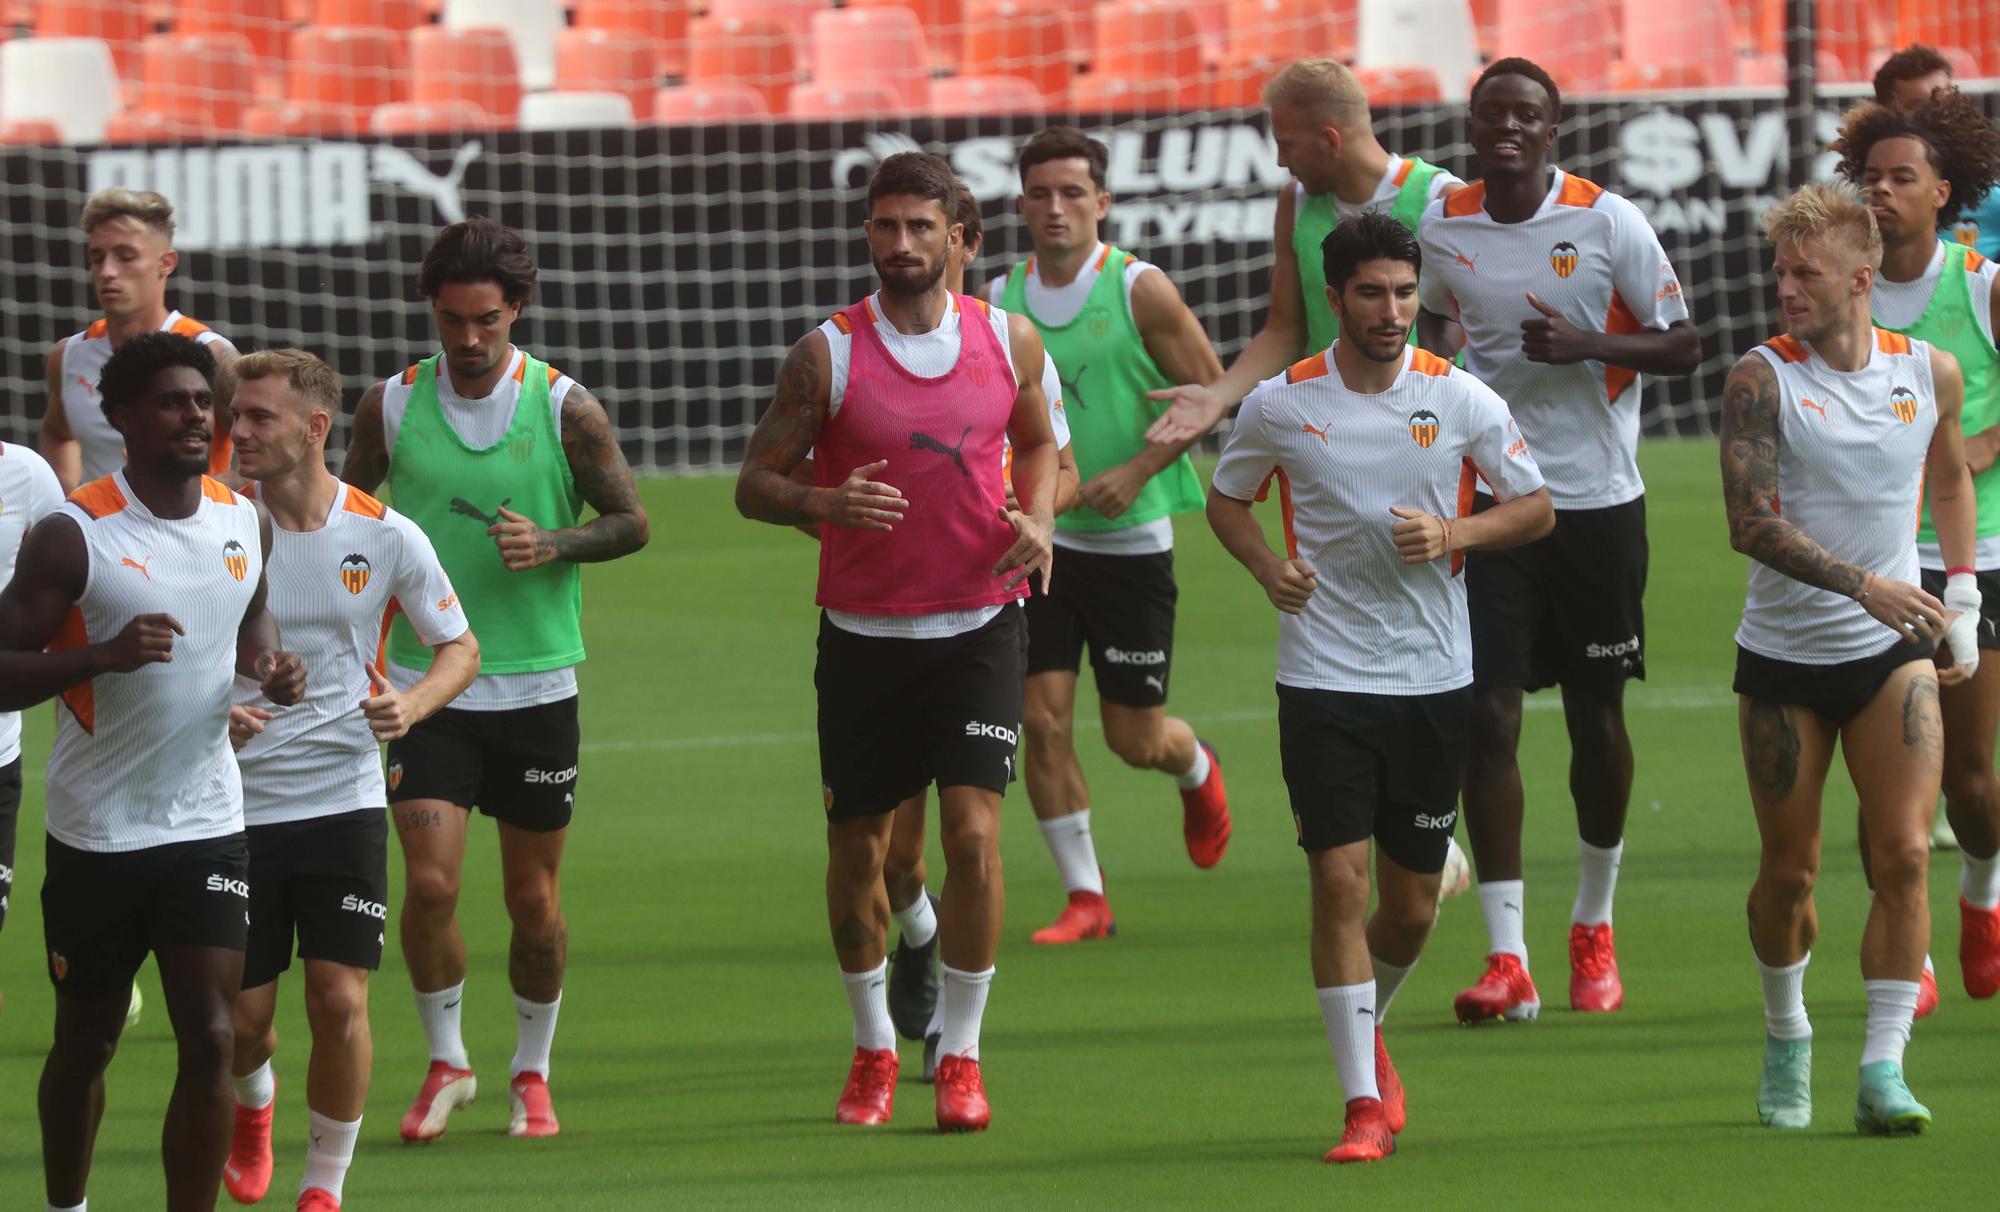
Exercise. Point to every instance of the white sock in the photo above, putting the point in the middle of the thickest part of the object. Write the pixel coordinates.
(256, 1089)
(1979, 881)
(1197, 774)
(1892, 1006)
(328, 1153)
(1928, 966)
(537, 1034)
(82, 1207)
(1504, 903)
(1388, 979)
(868, 998)
(1076, 857)
(439, 1012)
(917, 921)
(1596, 881)
(1349, 1014)
(964, 1004)
(1785, 1000)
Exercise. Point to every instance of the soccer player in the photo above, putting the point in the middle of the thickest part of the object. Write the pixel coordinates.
(1914, 167)
(134, 603)
(1373, 443)
(492, 453)
(1117, 329)
(922, 649)
(1565, 298)
(1907, 79)
(28, 493)
(1848, 425)
(131, 235)
(313, 797)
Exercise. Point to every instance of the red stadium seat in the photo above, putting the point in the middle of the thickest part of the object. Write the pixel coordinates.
(1094, 93)
(263, 22)
(298, 120)
(1768, 70)
(595, 60)
(1574, 43)
(1392, 86)
(401, 16)
(701, 104)
(1698, 34)
(30, 133)
(662, 23)
(201, 80)
(122, 24)
(1025, 38)
(1628, 77)
(144, 126)
(475, 66)
(423, 118)
(853, 47)
(757, 52)
(1284, 30)
(1239, 84)
(941, 21)
(958, 96)
(1971, 26)
(1846, 31)
(795, 15)
(1150, 42)
(355, 70)
(1485, 24)
(855, 100)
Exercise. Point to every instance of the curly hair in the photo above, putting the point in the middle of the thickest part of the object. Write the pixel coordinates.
(131, 368)
(479, 250)
(1961, 145)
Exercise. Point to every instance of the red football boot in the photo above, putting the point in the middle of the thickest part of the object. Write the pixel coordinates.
(1205, 815)
(1505, 991)
(247, 1173)
(1979, 949)
(444, 1091)
(1594, 986)
(1367, 1137)
(869, 1097)
(961, 1096)
(314, 1199)
(1927, 997)
(1088, 915)
(530, 1110)
(1390, 1083)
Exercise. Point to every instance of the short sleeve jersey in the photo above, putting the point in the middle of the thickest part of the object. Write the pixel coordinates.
(28, 493)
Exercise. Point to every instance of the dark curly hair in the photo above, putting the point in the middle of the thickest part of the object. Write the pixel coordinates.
(479, 250)
(129, 371)
(1529, 69)
(1961, 145)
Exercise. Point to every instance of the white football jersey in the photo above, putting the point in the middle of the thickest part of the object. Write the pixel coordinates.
(1851, 452)
(143, 759)
(1592, 256)
(334, 591)
(1342, 460)
(28, 493)
(83, 359)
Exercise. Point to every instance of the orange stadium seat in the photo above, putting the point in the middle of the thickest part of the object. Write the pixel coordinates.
(595, 60)
(1486, 22)
(757, 52)
(1096, 93)
(1969, 25)
(30, 133)
(423, 118)
(852, 100)
(857, 46)
(1768, 70)
(1239, 83)
(145, 126)
(297, 120)
(531, 25)
(941, 20)
(263, 22)
(1687, 33)
(1574, 43)
(1846, 31)
(1629, 77)
(962, 96)
(1157, 42)
(1025, 38)
(1391, 86)
(198, 79)
(401, 16)
(122, 24)
(662, 23)
(352, 70)
(701, 104)
(795, 15)
(476, 66)
(1284, 30)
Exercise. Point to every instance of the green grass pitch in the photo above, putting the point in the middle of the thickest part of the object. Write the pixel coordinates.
(704, 1036)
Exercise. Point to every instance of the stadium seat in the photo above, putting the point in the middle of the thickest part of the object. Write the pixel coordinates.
(940, 19)
(425, 118)
(145, 126)
(1437, 34)
(298, 120)
(795, 15)
(401, 16)
(1150, 42)
(1971, 26)
(1025, 38)
(849, 101)
(71, 83)
(530, 24)
(263, 22)
(120, 24)
(663, 24)
(1096, 93)
(853, 47)
(1698, 34)
(1393, 86)
(757, 52)
(1629, 77)
(1768, 70)
(1845, 31)
(1239, 83)
(1485, 21)
(577, 111)
(347, 69)
(596, 60)
(1575, 43)
(201, 79)
(961, 96)
(701, 104)
(476, 66)
(31, 132)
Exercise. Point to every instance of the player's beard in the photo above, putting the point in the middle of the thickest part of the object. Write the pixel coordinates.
(1377, 347)
(908, 281)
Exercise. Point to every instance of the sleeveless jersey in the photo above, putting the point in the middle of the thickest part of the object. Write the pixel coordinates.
(28, 493)
(942, 438)
(143, 759)
(1314, 221)
(83, 359)
(1851, 451)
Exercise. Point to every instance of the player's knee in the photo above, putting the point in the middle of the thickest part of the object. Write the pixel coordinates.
(1971, 786)
(80, 1052)
(1136, 747)
(902, 878)
(1045, 727)
(1787, 877)
(208, 1043)
(430, 889)
(1898, 864)
(532, 904)
(336, 1008)
(1494, 722)
(972, 848)
(254, 1038)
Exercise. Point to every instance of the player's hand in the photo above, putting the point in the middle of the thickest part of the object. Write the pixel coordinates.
(1962, 602)
(1112, 491)
(147, 639)
(1289, 583)
(1981, 449)
(245, 723)
(1420, 537)
(386, 710)
(523, 545)
(1550, 338)
(860, 503)
(1034, 549)
(1903, 608)
(283, 677)
(1195, 410)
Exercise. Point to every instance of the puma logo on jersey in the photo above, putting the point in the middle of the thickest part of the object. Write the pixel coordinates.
(1069, 388)
(465, 508)
(924, 441)
(1318, 433)
(129, 562)
(89, 388)
(1471, 263)
(1815, 405)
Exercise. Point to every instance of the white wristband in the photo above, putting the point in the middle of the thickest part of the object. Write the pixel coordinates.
(1961, 592)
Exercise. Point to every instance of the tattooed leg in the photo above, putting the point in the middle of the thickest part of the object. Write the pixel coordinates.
(1895, 752)
(857, 909)
(1786, 752)
(432, 833)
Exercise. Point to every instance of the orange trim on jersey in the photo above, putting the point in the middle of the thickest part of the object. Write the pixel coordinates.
(868, 306)
(985, 308)
(845, 325)
(81, 699)
(381, 662)
(360, 502)
(1403, 173)
(410, 375)
(1425, 362)
(1578, 192)
(99, 498)
(1468, 484)
(1468, 201)
(1103, 259)
(96, 330)
(1891, 342)
(216, 490)
(188, 326)
(1973, 261)
(1787, 347)
(1308, 368)
(1618, 318)
(554, 374)
(1285, 513)
(521, 371)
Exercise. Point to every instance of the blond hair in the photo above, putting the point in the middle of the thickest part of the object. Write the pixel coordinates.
(1831, 212)
(141, 205)
(1319, 86)
(316, 383)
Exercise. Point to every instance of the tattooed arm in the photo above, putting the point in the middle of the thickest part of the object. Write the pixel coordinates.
(766, 490)
(603, 479)
(367, 463)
